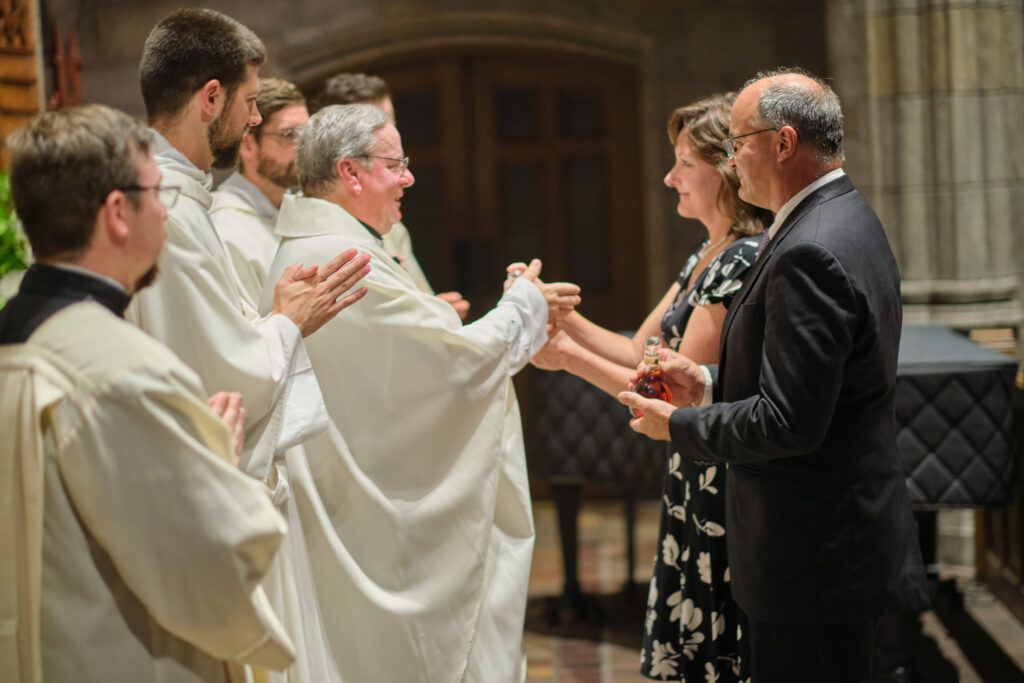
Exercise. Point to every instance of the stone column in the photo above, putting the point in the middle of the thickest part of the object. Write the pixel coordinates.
(933, 92)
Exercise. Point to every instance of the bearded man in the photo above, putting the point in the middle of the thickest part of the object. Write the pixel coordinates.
(245, 205)
(200, 84)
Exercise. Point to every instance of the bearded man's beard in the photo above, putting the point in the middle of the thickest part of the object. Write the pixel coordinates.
(146, 279)
(223, 144)
(282, 175)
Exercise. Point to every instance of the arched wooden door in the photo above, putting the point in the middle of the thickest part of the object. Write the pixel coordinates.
(519, 155)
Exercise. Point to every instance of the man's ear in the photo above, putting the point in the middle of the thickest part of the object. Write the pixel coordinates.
(211, 99)
(349, 172)
(786, 143)
(249, 149)
(111, 218)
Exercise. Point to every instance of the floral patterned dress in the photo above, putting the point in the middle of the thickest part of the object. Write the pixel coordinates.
(693, 630)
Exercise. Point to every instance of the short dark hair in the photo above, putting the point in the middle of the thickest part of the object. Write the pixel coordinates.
(64, 164)
(352, 89)
(814, 113)
(188, 48)
(706, 123)
(275, 94)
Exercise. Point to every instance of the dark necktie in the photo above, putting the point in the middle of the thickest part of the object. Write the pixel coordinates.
(765, 239)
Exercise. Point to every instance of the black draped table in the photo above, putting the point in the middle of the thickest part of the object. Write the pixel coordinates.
(954, 410)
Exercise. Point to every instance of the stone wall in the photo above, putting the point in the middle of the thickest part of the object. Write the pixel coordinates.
(934, 97)
(684, 50)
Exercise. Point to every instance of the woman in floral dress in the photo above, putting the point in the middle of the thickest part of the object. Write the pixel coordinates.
(692, 631)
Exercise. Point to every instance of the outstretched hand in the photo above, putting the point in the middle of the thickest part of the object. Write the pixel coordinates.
(561, 297)
(521, 270)
(228, 407)
(310, 296)
(653, 415)
(554, 355)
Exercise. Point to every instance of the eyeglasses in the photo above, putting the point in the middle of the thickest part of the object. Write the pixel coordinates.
(289, 135)
(729, 143)
(167, 194)
(404, 161)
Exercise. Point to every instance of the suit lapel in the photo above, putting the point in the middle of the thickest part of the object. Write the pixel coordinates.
(837, 187)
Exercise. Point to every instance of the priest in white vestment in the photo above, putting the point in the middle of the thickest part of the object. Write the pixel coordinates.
(359, 88)
(131, 547)
(415, 503)
(199, 77)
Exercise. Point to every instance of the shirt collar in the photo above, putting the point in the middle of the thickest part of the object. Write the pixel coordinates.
(380, 237)
(91, 273)
(168, 155)
(795, 200)
(238, 184)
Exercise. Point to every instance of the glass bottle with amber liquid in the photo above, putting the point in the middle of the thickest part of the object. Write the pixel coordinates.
(652, 384)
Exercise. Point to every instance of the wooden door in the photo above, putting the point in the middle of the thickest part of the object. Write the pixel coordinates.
(518, 156)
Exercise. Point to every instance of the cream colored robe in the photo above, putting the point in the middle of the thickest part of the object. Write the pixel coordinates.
(244, 219)
(130, 547)
(196, 309)
(415, 503)
(398, 242)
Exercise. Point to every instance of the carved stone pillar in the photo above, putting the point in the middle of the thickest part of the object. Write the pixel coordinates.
(934, 98)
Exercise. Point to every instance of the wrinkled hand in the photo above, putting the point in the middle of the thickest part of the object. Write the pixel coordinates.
(228, 407)
(460, 305)
(654, 415)
(310, 296)
(683, 376)
(555, 353)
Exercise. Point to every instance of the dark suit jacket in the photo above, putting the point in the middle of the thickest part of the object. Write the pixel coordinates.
(818, 522)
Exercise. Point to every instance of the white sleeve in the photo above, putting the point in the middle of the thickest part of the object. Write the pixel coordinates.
(521, 317)
(195, 308)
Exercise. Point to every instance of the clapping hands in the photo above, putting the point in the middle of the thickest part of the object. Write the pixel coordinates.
(228, 407)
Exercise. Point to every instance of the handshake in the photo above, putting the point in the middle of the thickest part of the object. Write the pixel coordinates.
(562, 297)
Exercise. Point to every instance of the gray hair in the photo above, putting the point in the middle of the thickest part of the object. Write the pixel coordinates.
(334, 133)
(814, 114)
(64, 164)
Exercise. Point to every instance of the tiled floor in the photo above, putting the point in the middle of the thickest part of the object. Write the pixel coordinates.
(603, 645)
(593, 649)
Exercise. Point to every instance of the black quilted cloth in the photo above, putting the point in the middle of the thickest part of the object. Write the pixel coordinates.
(954, 411)
(583, 434)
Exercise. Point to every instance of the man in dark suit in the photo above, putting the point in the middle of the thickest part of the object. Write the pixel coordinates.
(820, 534)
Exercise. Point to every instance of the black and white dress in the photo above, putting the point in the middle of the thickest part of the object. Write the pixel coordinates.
(693, 630)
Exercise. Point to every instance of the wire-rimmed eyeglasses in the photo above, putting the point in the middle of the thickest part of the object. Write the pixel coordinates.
(167, 194)
(289, 135)
(403, 161)
(730, 147)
